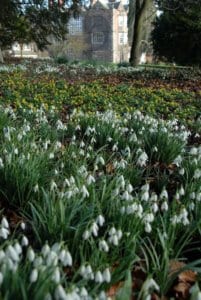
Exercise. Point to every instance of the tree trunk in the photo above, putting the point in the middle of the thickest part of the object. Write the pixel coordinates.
(1, 56)
(141, 9)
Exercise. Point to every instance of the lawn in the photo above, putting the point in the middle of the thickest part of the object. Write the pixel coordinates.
(100, 183)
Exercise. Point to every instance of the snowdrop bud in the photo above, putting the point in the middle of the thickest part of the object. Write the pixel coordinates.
(181, 191)
(11, 252)
(155, 207)
(23, 225)
(84, 191)
(86, 235)
(115, 240)
(100, 220)
(106, 275)
(18, 248)
(94, 229)
(4, 223)
(119, 234)
(181, 171)
(38, 262)
(148, 228)
(192, 195)
(68, 259)
(129, 188)
(34, 276)
(4, 233)
(30, 254)
(25, 241)
(98, 277)
(51, 155)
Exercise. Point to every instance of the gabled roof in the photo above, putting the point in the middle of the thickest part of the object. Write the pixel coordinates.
(100, 5)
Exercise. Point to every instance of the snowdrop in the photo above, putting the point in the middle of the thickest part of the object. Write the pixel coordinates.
(33, 276)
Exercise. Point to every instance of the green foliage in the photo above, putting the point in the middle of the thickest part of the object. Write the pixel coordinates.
(177, 32)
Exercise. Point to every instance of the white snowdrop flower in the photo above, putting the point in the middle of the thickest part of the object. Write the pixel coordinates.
(123, 210)
(129, 188)
(193, 151)
(178, 160)
(30, 254)
(38, 262)
(82, 144)
(115, 148)
(36, 188)
(89, 272)
(33, 276)
(51, 155)
(155, 207)
(81, 152)
(106, 275)
(94, 229)
(56, 172)
(164, 206)
(112, 231)
(122, 164)
(192, 206)
(98, 277)
(4, 223)
(101, 160)
(4, 233)
(84, 191)
(103, 246)
(192, 195)
(86, 235)
(68, 261)
(60, 293)
(83, 292)
(155, 149)
(198, 197)
(90, 179)
(16, 151)
(1, 278)
(121, 182)
(145, 187)
(185, 221)
(148, 228)
(23, 225)
(133, 137)
(126, 196)
(150, 283)
(164, 194)
(12, 253)
(181, 191)
(140, 209)
(100, 220)
(53, 185)
(109, 139)
(1, 163)
(18, 248)
(197, 174)
(19, 137)
(66, 183)
(145, 196)
(114, 240)
(181, 171)
(45, 250)
(142, 159)
(93, 140)
(56, 276)
(52, 258)
(177, 196)
(119, 234)
(149, 218)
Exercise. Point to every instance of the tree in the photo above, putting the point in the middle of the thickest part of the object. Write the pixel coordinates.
(34, 20)
(177, 32)
(141, 14)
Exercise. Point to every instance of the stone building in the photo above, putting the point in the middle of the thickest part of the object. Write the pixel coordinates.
(100, 33)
